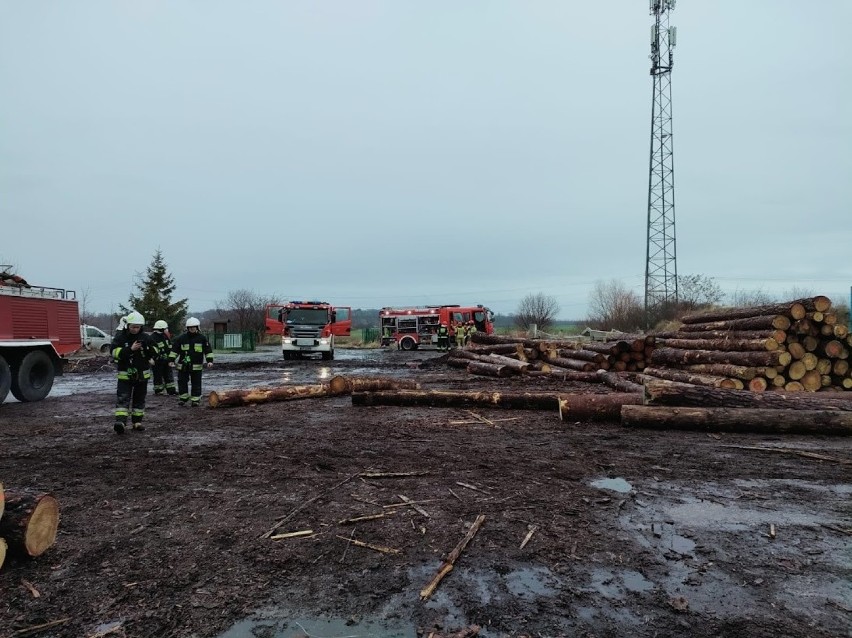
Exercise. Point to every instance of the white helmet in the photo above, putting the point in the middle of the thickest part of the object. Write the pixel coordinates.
(192, 322)
(134, 318)
(161, 325)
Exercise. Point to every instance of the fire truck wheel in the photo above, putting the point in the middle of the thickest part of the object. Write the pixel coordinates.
(5, 379)
(407, 344)
(328, 356)
(33, 379)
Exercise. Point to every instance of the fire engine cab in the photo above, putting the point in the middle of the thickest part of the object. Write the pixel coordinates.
(411, 328)
(307, 327)
(39, 327)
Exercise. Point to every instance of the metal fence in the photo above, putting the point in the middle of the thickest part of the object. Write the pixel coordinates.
(243, 341)
(370, 335)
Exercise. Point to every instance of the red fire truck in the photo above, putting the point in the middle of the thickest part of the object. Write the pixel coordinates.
(39, 327)
(307, 327)
(410, 328)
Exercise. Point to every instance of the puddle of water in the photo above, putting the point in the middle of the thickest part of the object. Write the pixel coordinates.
(530, 582)
(319, 626)
(615, 484)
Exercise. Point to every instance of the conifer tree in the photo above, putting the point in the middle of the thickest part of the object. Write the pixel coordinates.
(154, 300)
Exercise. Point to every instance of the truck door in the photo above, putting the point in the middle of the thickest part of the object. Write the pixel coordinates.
(274, 320)
(341, 321)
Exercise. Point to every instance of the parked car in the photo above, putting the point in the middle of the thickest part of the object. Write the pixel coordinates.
(95, 338)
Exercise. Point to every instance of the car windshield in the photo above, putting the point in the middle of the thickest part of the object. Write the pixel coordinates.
(309, 316)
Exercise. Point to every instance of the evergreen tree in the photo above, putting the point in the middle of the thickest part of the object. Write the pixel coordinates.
(154, 300)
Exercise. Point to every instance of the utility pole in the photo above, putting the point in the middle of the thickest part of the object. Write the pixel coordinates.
(661, 264)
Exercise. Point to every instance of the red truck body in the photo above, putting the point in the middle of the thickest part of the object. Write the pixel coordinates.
(410, 328)
(39, 327)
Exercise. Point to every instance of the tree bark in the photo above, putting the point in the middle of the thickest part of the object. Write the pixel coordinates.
(713, 381)
(481, 337)
(489, 369)
(660, 392)
(780, 336)
(617, 383)
(572, 364)
(29, 522)
(592, 407)
(675, 356)
(514, 364)
(830, 422)
(796, 309)
(583, 355)
(3, 547)
(758, 345)
(745, 373)
(502, 348)
(336, 386)
(765, 322)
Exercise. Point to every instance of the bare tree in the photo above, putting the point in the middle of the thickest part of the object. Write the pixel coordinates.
(746, 298)
(612, 305)
(698, 291)
(246, 309)
(539, 309)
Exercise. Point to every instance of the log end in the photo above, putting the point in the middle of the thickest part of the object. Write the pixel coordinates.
(42, 527)
(213, 399)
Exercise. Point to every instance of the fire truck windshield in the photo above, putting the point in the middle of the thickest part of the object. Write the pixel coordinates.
(307, 316)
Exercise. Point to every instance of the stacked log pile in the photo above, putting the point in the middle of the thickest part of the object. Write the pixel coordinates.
(501, 356)
(793, 346)
(28, 523)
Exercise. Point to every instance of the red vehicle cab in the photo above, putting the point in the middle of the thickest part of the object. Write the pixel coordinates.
(308, 327)
(411, 328)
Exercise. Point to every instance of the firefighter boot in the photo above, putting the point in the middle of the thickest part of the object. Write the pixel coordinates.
(138, 427)
(118, 427)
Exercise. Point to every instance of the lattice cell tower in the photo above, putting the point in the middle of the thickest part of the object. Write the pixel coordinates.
(661, 264)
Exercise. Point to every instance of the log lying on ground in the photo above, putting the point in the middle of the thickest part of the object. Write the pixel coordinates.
(661, 392)
(488, 369)
(831, 422)
(745, 373)
(695, 378)
(591, 407)
(617, 383)
(481, 337)
(796, 309)
(514, 364)
(29, 522)
(677, 356)
(3, 547)
(572, 364)
(503, 348)
(780, 336)
(336, 386)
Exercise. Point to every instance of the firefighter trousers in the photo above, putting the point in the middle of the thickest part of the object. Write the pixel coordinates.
(164, 378)
(189, 378)
(443, 342)
(130, 400)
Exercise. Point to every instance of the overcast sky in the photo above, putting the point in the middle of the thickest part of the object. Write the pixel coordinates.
(377, 153)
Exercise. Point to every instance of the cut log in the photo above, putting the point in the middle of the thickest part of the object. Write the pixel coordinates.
(617, 383)
(744, 373)
(779, 335)
(572, 364)
(583, 355)
(3, 547)
(676, 356)
(720, 344)
(503, 348)
(696, 378)
(812, 381)
(758, 384)
(607, 347)
(336, 386)
(765, 322)
(796, 309)
(660, 392)
(591, 407)
(482, 338)
(29, 522)
(489, 369)
(514, 364)
(830, 422)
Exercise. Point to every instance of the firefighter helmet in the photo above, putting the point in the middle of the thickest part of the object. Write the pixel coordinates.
(161, 325)
(135, 319)
(192, 322)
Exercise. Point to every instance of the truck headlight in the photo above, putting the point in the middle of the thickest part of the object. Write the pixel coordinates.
(323, 342)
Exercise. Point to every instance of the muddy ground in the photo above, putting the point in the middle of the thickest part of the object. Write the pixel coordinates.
(637, 533)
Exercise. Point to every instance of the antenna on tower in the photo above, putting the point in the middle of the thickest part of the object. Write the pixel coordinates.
(661, 262)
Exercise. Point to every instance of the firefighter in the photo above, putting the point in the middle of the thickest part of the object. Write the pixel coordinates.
(460, 333)
(133, 351)
(443, 337)
(189, 352)
(469, 330)
(164, 378)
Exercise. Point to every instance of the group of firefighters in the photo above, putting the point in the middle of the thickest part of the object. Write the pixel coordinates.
(459, 332)
(139, 355)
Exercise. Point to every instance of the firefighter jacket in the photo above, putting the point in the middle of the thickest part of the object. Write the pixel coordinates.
(133, 365)
(189, 351)
(443, 331)
(162, 344)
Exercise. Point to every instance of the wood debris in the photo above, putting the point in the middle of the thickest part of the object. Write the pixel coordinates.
(299, 534)
(376, 548)
(449, 563)
(532, 530)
